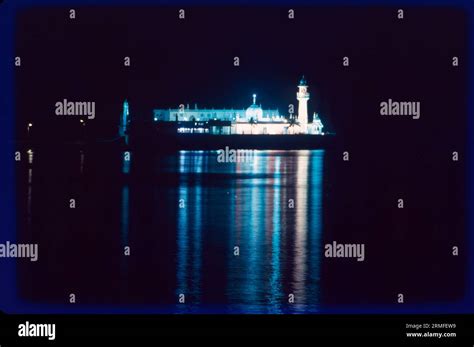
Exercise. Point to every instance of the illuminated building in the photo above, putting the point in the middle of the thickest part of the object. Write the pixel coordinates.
(254, 120)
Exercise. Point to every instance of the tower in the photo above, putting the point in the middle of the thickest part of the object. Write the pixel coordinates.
(303, 96)
(124, 119)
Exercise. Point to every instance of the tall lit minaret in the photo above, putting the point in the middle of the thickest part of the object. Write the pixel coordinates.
(303, 96)
(124, 119)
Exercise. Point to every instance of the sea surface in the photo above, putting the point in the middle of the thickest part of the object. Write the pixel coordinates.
(185, 232)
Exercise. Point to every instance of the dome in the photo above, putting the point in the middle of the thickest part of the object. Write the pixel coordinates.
(254, 111)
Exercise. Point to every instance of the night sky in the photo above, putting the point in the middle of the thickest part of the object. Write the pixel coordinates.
(191, 61)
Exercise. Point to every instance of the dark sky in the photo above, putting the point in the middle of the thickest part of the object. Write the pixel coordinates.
(191, 61)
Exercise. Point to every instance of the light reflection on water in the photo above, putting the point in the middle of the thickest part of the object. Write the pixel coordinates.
(30, 187)
(271, 209)
(125, 201)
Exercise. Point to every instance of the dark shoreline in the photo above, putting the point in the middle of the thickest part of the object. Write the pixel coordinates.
(166, 143)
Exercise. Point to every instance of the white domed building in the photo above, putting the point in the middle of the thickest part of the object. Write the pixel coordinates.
(251, 121)
(259, 121)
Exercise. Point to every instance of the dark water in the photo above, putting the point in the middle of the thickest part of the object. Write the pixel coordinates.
(183, 214)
